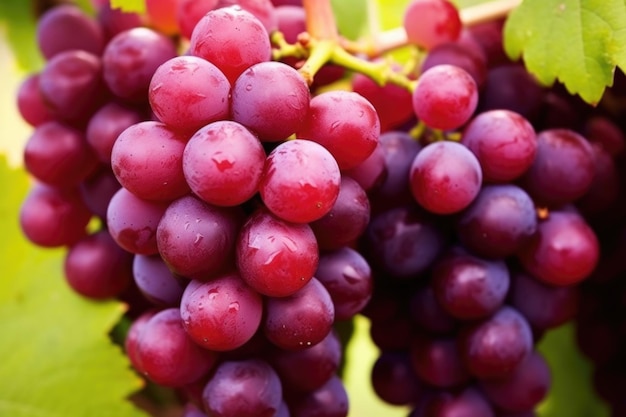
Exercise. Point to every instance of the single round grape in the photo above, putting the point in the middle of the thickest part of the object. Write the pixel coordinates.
(504, 142)
(429, 23)
(189, 12)
(427, 312)
(66, 27)
(223, 163)
(131, 342)
(147, 159)
(468, 402)
(131, 58)
(437, 361)
(98, 189)
(187, 92)
(196, 239)
(52, 217)
(496, 346)
(246, 388)
(96, 267)
(166, 353)
(469, 287)
(30, 102)
(271, 99)
(300, 182)
(345, 123)
(115, 20)
(330, 400)
(156, 282)
(564, 251)
(562, 170)
(370, 173)
(499, 222)
(300, 320)
(263, 10)
(394, 380)
(275, 257)
(445, 177)
(458, 53)
(232, 39)
(221, 314)
(133, 222)
(445, 97)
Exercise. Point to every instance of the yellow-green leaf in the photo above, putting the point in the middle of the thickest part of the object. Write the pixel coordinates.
(578, 42)
(136, 6)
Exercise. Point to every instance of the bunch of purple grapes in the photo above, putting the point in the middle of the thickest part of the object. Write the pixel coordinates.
(242, 214)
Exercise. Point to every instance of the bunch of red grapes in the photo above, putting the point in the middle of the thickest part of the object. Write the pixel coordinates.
(242, 213)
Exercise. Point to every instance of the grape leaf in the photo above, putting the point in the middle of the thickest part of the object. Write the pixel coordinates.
(571, 393)
(578, 42)
(57, 358)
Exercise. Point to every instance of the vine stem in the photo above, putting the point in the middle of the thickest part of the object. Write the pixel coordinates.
(473, 15)
(320, 19)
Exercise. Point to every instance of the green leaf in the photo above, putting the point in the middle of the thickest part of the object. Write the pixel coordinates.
(19, 24)
(572, 393)
(351, 17)
(137, 6)
(57, 358)
(578, 42)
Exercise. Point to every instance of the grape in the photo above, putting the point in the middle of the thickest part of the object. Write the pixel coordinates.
(504, 143)
(71, 85)
(522, 390)
(499, 222)
(564, 250)
(66, 27)
(393, 103)
(496, 346)
(445, 97)
(445, 177)
(147, 159)
(371, 172)
(403, 241)
(166, 353)
(114, 21)
(221, 314)
(131, 58)
(131, 343)
(468, 287)
(604, 131)
(97, 268)
(347, 220)
(196, 239)
(393, 379)
(437, 361)
(156, 282)
(544, 306)
(247, 388)
(308, 369)
(30, 102)
(58, 155)
(106, 125)
(223, 163)
(275, 257)
(261, 9)
(187, 92)
(330, 400)
(426, 311)
(605, 187)
(300, 182)
(189, 13)
(300, 320)
(562, 170)
(459, 55)
(232, 39)
(348, 278)
(271, 99)
(133, 222)
(52, 217)
(429, 23)
(345, 123)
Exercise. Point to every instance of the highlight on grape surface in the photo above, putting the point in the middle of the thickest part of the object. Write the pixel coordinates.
(248, 181)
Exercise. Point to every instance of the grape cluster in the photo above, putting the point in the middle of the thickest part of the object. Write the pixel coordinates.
(242, 213)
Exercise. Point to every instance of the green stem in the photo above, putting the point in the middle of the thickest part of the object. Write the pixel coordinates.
(320, 54)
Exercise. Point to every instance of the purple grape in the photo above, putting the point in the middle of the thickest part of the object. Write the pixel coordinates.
(437, 361)
(196, 239)
(300, 320)
(394, 380)
(330, 400)
(348, 278)
(457, 54)
(156, 282)
(445, 177)
(371, 172)
(500, 221)
(246, 388)
(470, 402)
(98, 189)
(468, 287)
(426, 312)
(30, 102)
